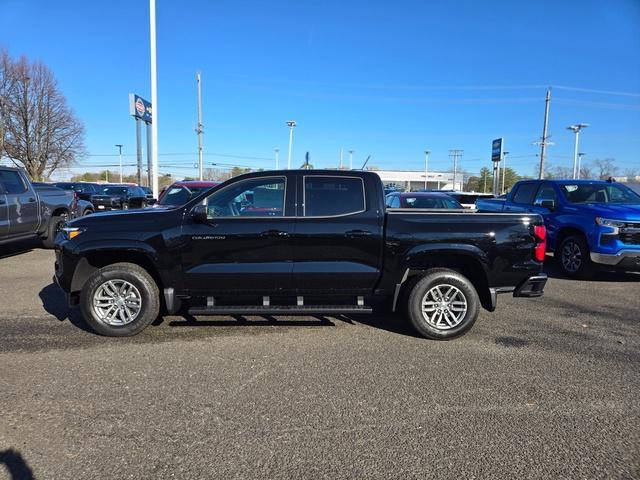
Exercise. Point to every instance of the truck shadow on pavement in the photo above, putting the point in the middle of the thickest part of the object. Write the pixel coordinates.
(54, 303)
(15, 465)
(552, 269)
(18, 248)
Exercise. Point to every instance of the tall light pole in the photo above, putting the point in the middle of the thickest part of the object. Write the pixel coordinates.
(277, 152)
(426, 168)
(580, 155)
(350, 159)
(576, 129)
(199, 129)
(120, 155)
(154, 98)
(504, 169)
(291, 124)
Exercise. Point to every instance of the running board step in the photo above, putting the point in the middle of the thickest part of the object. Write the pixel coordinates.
(279, 310)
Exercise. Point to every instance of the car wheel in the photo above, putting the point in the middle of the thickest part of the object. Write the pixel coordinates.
(125, 206)
(55, 225)
(88, 211)
(120, 300)
(443, 305)
(574, 257)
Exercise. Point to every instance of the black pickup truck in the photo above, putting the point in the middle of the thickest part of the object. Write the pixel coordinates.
(297, 242)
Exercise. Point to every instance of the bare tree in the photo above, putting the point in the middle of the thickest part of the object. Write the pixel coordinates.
(41, 132)
(605, 167)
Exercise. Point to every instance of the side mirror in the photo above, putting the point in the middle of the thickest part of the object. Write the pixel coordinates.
(548, 204)
(199, 213)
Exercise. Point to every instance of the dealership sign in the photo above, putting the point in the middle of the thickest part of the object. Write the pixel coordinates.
(140, 108)
(496, 150)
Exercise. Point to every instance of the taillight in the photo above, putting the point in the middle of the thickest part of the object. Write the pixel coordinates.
(75, 201)
(540, 250)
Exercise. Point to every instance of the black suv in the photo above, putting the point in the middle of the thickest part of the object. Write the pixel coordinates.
(84, 189)
(119, 197)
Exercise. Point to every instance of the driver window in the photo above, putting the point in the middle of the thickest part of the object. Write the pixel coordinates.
(257, 197)
(546, 192)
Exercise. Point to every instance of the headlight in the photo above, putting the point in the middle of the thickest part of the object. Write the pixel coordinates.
(607, 222)
(71, 232)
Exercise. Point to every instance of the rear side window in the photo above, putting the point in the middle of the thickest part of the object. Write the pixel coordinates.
(12, 182)
(524, 193)
(327, 196)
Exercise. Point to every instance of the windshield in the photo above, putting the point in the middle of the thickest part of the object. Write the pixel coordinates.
(431, 202)
(114, 190)
(178, 195)
(599, 193)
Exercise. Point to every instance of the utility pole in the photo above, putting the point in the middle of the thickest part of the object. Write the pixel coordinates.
(291, 124)
(455, 154)
(120, 155)
(426, 168)
(154, 97)
(543, 143)
(199, 129)
(504, 169)
(576, 129)
(277, 152)
(138, 151)
(350, 159)
(580, 155)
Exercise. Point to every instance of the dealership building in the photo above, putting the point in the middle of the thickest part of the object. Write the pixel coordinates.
(411, 180)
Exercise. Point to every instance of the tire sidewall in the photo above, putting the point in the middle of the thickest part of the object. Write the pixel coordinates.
(148, 292)
(414, 304)
(52, 231)
(585, 265)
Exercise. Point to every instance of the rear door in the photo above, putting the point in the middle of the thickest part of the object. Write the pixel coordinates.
(246, 244)
(338, 239)
(22, 205)
(522, 197)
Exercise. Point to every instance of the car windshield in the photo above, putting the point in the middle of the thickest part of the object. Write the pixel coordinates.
(431, 202)
(599, 193)
(179, 195)
(114, 190)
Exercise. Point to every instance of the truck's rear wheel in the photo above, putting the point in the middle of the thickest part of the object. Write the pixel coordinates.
(444, 304)
(55, 225)
(120, 300)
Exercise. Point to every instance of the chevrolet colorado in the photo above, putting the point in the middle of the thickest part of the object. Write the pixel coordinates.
(297, 242)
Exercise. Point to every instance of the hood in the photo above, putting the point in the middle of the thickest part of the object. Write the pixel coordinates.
(111, 217)
(611, 210)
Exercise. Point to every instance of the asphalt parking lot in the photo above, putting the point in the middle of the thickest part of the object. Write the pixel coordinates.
(544, 388)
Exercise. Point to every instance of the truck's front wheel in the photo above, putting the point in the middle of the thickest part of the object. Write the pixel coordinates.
(443, 305)
(120, 300)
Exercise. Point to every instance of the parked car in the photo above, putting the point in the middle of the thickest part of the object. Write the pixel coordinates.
(319, 242)
(149, 192)
(119, 197)
(421, 200)
(179, 193)
(84, 190)
(27, 211)
(590, 223)
(467, 199)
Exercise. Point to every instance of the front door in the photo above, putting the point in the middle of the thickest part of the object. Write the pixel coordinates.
(338, 236)
(245, 246)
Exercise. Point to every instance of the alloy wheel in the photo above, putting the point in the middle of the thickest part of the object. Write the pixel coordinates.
(444, 306)
(117, 302)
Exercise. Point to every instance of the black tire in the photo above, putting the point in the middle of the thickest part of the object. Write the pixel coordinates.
(87, 211)
(574, 258)
(454, 323)
(141, 280)
(55, 224)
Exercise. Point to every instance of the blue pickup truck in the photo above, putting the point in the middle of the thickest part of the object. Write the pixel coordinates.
(589, 223)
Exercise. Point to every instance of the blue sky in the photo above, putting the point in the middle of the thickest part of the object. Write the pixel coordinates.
(387, 79)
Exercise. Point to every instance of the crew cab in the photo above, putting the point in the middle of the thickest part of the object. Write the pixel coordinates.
(28, 211)
(297, 242)
(590, 223)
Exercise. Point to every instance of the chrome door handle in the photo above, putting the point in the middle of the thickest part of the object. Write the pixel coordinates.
(357, 233)
(274, 233)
